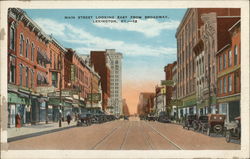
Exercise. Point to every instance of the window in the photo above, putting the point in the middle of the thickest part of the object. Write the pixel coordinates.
(229, 58)
(225, 85)
(224, 61)
(235, 55)
(54, 79)
(32, 52)
(236, 81)
(27, 49)
(12, 70)
(21, 74)
(27, 77)
(221, 86)
(12, 37)
(229, 83)
(31, 78)
(21, 44)
(221, 63)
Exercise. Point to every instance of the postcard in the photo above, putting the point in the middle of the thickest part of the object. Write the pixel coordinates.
(124, 79)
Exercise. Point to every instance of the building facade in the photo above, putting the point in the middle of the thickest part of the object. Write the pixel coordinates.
(28, 68)
(160, 99)
(189, 81)
(213, 36)
(169, 88)
(146, 103)
(115, 81)
(101, 62)
(228, 74)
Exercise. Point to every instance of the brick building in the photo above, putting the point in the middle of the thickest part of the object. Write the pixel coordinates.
(160, 99)
(146, 103)
(125, 109)
(169, 88)
(101, 61)
(188, 36)
(28, 68)
(228, 73)
(213, 35)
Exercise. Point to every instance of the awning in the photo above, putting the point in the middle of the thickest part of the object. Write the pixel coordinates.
(15, 98)
(23, 95)
(41, 77)
(44, 57)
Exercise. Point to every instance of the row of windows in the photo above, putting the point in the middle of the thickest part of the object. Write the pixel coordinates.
(27, 48)
(226, 59)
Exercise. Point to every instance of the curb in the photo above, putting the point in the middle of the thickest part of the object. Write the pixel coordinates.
(38, 133)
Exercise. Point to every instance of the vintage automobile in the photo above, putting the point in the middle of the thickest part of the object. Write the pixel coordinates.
(233, 130)
(151, 118)
(188, 123)
(163, 119)
(197, 124)
(84, 119)
(215, 124)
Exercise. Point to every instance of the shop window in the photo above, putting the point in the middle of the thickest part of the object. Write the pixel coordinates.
(21, 44)
(12, 37)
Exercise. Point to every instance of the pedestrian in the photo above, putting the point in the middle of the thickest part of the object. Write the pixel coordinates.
(68, 118)
(18, 121)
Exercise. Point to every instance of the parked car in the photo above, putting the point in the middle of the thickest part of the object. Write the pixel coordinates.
(215, 124)
(125, 117)
(84, 119)
(197, 124)
(188, 123)
(163, 119)
(151, 118)
(233, 130)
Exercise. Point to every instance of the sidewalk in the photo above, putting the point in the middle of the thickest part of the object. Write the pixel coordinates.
(36, 130)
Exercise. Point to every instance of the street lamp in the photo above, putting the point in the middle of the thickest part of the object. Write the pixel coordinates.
(60, 115)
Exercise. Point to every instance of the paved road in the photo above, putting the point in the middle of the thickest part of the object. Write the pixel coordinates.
(125, 135)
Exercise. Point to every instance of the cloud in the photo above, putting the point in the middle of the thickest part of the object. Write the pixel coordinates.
(149, 27)
(75, 35)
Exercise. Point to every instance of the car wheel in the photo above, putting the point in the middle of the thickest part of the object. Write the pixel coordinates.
(228, 136)
(208, 131)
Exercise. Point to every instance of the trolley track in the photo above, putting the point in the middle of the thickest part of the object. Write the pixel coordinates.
(164, 137)
(125, 136)
(106, 137)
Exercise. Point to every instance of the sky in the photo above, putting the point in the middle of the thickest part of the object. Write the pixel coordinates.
(147, 44)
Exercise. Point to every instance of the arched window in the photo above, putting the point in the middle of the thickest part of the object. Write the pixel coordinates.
(12, 37)
(235, 55)
(27, 77)
(27, 49)
(21, 44)
(32, 52)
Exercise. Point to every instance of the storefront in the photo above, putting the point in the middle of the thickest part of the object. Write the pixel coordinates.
(18, 103)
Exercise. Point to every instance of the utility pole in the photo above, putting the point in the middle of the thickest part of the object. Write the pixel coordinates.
(60, 92)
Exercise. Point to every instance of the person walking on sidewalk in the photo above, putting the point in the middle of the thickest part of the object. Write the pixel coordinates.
(68, 118)
(18, 120)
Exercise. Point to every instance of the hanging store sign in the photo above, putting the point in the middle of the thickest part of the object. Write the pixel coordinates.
(95, 97)
(72, 73)
(64, 94)
(167, 82)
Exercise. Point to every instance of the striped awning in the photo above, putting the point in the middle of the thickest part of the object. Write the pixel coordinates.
(44, 57)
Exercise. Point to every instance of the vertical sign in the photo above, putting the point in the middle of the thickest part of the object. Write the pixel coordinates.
(72, 73)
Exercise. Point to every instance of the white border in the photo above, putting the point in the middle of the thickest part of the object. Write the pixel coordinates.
(244, 5)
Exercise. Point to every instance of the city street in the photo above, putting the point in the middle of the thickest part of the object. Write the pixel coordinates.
(124, 135)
